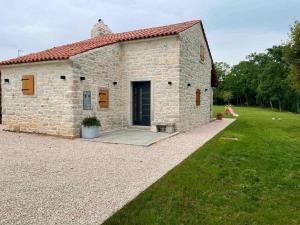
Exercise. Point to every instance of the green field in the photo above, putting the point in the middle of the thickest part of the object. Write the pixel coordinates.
(248, 174)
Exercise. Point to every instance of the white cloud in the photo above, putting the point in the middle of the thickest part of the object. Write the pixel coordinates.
(32, 25)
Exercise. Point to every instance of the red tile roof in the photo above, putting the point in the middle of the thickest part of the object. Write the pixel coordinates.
(66, 51)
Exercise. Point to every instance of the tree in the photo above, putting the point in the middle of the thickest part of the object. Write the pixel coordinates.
(222, 70)
(227, 95)
(242, 82)
(292, 54)
(273, 78)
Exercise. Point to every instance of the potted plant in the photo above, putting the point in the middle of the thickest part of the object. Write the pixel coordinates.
(90, 127)
(219, 116)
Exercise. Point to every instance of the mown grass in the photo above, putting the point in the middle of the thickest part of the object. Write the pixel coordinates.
(248, 174)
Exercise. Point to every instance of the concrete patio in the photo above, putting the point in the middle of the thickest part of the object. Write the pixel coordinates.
(48, 180)
(132, 136)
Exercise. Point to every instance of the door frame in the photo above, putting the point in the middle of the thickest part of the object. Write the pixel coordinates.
(131, 107)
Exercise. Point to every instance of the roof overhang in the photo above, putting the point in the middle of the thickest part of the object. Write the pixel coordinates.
(34, 63)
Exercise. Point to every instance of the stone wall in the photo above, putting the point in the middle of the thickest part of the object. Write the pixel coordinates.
(57, 106)
(155, 60)
(198, 75)
(100, 67)
(49, 110)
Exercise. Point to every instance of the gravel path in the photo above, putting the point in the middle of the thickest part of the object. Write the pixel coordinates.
(48, 180)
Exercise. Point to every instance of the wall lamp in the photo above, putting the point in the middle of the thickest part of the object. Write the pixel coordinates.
(6, 81)
(115, 83)
(63, 77)
(169, 83)
(82, 78)
(206, 89)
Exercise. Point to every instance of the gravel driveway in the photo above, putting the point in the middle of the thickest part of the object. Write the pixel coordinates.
(48, 180)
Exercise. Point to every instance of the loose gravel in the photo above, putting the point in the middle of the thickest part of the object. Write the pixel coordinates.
(49, 180)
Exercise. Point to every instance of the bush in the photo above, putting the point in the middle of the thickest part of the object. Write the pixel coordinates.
(90, 122)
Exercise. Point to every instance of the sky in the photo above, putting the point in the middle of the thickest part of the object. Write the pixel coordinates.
(234, 28)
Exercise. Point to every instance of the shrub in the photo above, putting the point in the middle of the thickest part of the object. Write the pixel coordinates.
(90, 122)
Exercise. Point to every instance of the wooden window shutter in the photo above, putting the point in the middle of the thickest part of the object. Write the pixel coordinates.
(28, 85)
(202, 53)
(198, 97)
(103, 98)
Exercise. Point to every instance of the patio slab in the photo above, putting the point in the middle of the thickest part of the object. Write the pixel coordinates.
(132, 137)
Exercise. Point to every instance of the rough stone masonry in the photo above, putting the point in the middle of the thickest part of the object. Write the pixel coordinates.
(171, 63)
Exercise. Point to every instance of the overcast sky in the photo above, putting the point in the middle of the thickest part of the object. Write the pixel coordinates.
(234, 28)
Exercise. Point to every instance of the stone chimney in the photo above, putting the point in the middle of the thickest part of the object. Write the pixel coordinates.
(100, 29)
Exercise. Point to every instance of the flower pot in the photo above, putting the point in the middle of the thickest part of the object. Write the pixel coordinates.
(90, 132)
(219, 116)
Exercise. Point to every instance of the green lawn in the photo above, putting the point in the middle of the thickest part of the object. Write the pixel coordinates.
(252, 180)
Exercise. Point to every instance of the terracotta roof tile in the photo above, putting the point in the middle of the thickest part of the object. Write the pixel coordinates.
(66, 51)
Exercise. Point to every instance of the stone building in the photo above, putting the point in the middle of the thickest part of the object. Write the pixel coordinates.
(158, 77)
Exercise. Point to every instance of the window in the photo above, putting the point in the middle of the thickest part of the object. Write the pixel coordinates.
(202, 53)
(87, 100)
(103, 98)
(198, 97)
(28, 85)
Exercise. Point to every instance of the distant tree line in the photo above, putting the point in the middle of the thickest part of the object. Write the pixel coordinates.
(269, 79)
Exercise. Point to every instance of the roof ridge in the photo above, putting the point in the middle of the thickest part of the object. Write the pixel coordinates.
(131, 31)
(156, 27)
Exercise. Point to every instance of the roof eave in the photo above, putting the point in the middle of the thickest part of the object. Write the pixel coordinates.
(2, 66)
